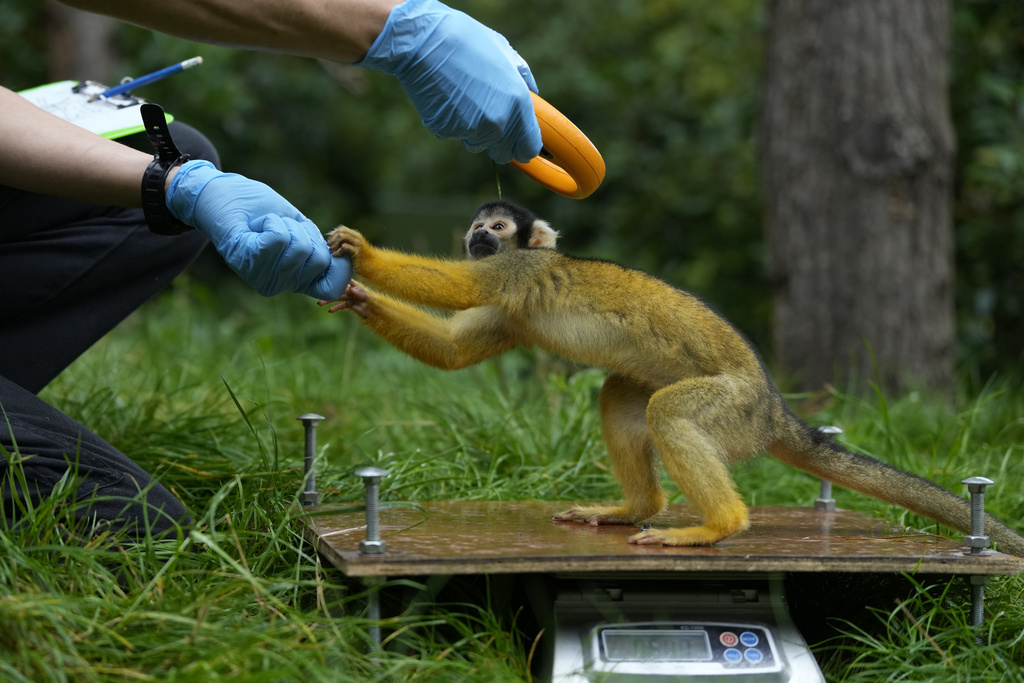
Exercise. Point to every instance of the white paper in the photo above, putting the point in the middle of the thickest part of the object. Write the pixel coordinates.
(111, 118)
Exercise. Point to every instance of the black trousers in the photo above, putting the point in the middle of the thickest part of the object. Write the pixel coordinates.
(70, 272)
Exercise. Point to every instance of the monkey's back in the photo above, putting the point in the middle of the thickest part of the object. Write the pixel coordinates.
(601, 313)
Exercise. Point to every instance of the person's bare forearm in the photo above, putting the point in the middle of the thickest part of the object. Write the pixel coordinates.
(42, 153)
(339, 30)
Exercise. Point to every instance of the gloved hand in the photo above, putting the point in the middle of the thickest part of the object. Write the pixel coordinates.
(262, 237)
(465, 80)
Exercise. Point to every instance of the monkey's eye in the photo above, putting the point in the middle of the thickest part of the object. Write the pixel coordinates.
(499, 226)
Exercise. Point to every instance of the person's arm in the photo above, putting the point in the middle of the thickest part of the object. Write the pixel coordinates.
(42, 153)
(260, 235)
(465, 80)
(339, 30)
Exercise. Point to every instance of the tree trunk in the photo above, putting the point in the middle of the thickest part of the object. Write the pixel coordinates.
(81, 45)
(857, 153)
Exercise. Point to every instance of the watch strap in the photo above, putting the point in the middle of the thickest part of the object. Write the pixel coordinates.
(154, 200)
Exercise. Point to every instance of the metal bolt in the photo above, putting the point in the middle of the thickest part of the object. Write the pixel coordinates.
(824, 501)
(373, 585)
(371, 477)
(309, 496)
(978, 583)
(977, 541)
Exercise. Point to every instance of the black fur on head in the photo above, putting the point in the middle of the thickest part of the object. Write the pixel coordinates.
(523, 218)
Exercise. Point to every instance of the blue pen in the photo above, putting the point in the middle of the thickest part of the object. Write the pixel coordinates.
(147, 79)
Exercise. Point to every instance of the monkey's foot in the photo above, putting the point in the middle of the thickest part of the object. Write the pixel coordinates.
(690, 536)
(598, 515)
(719, 523)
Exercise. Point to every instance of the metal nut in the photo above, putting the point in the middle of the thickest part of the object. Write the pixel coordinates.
(977, 541)
(373, 547)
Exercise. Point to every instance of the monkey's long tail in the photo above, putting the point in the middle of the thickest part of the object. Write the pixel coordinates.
(808, 449)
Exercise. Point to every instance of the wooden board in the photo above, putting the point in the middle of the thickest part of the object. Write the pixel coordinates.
(473, 537)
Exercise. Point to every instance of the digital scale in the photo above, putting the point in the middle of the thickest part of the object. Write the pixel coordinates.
(697, 628)
(613, 612)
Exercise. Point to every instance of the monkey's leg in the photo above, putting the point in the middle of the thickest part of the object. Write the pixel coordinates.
(699, 425)
(623, 406)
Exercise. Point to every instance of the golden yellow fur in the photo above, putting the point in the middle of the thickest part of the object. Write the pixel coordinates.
(684, 387)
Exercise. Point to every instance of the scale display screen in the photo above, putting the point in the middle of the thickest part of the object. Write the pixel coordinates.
(630, 645)
(703, 648)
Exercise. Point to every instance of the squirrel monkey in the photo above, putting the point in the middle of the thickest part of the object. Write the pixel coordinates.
(684, 386)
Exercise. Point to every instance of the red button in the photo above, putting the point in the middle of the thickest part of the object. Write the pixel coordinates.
(728, 639)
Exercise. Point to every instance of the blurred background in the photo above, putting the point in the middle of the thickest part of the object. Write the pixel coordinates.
(672, 93)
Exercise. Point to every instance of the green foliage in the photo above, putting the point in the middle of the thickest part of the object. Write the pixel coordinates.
(988, 112)
(928, 638)
(23, 37)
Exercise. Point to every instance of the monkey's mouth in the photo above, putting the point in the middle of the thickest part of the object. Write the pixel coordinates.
(482, 250)
(484, 245)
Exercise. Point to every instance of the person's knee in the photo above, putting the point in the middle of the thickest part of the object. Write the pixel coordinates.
(120, 505)
(187, 139)
(193, 143)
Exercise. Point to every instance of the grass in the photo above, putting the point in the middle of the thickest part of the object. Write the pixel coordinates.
(246, 598)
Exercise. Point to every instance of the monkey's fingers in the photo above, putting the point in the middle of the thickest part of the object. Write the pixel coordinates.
(355, 293)
(355, 299)
(338, 249)
(338, 305)
(344, 240)
(596, 516)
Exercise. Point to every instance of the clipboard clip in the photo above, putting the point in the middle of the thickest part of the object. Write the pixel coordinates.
(96, 90)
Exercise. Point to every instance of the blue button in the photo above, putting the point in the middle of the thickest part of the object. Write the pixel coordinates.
(733, 656)
(753, 655)
(749, 639)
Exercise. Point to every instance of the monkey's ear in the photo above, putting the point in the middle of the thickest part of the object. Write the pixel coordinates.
(542, 235)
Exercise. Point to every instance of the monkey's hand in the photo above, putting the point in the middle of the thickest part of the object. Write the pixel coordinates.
(346, 241)
(355, 299)
(599, 515)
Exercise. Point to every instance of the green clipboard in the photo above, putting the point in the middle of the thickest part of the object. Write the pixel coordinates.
(77, 103)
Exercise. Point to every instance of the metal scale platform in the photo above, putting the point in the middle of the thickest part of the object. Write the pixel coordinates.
(636, 613)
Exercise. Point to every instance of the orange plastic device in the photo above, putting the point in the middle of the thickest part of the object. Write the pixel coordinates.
(568, 164)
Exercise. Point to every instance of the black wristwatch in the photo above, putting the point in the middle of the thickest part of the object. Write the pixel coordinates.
(154, 204)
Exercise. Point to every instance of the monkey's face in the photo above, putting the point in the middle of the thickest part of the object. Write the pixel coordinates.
(502, 226)
(488, 235)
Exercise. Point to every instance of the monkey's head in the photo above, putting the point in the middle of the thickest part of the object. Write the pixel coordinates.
(500, 226)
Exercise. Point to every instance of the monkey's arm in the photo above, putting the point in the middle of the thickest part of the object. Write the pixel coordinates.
(448, 343)
(438, 283)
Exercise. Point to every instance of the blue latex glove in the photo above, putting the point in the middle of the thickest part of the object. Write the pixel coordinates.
(262, 237)
(465, 80)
